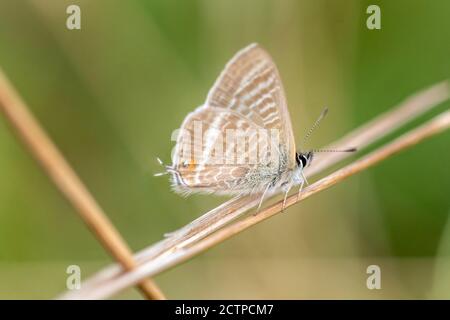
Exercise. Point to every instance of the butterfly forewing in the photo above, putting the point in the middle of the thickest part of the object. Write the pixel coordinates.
(247, 97)
(251, 85)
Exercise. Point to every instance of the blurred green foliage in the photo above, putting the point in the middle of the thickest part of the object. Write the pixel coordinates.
(111, 94)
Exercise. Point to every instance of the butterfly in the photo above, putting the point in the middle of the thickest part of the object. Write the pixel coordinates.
(247, 100)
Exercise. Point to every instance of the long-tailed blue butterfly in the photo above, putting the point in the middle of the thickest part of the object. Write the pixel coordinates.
(240, 141)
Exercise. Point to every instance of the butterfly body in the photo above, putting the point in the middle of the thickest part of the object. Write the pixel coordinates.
(264, 177)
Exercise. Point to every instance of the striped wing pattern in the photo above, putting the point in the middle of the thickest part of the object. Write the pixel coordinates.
(247, 96)
(251, 85)
(202, 165)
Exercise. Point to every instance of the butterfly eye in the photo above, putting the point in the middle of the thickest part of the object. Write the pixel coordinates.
(302, 159)
(298, 158)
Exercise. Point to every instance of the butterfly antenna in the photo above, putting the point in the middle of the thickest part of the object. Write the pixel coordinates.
(336, 150)
(314, 126)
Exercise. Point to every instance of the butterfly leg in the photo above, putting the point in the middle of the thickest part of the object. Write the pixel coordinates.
(304, 179)
(285, 197)
(300, 189)
(262, 198)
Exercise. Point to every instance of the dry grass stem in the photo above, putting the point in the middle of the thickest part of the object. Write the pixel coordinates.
(214, 227)
(179, 255)
(66, 180)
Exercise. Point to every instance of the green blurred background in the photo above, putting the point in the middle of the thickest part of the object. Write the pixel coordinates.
(111, 94)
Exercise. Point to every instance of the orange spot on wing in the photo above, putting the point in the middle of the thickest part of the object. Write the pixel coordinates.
(191, 166)
(188, 167)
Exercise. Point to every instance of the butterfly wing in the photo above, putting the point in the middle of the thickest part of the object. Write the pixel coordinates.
(251, 85)
(248, 95)
(202, 161)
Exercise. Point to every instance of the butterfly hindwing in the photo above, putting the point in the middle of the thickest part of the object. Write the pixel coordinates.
(203, 161)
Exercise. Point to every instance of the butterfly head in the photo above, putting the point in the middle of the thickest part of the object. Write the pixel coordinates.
(304, 159)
